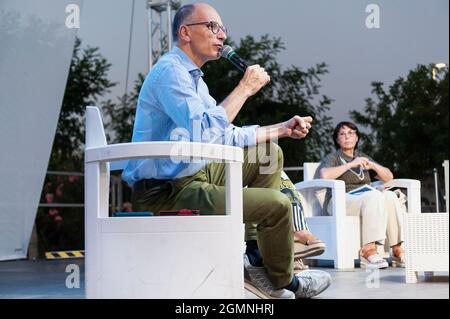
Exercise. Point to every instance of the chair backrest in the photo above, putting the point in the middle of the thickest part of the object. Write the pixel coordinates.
(95, 134)
(95, 137)
(309, 170)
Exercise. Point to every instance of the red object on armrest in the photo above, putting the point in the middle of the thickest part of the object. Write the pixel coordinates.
(181, 212)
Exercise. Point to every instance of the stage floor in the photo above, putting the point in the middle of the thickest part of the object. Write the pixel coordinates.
(24, 279)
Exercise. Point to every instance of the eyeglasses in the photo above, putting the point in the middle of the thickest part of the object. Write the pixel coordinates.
(213, 25)
(349, 133)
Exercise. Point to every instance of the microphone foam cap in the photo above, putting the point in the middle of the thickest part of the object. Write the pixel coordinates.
(225, 51)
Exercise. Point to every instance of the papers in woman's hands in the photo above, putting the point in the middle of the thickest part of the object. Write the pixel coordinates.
(380, 188)
(367, 188)
(362, 189)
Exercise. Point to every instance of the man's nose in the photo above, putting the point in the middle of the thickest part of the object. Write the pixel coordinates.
(221, 35)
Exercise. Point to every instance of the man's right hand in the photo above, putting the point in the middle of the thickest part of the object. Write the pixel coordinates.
(297, 127)
(255, 77)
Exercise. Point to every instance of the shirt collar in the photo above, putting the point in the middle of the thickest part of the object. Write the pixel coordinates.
(187, 62)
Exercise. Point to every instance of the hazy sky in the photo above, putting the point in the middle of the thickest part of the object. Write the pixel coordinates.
(411, 32)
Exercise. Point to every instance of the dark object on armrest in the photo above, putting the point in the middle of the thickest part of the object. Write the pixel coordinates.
(132, 214)
(181, 212)
(146, 184)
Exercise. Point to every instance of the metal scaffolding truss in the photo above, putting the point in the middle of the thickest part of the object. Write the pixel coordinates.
(160, 13)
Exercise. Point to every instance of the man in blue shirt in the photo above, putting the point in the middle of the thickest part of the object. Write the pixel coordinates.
(174, 104)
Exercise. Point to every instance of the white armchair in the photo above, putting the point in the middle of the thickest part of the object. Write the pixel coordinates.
(340, 232)
(160, 257)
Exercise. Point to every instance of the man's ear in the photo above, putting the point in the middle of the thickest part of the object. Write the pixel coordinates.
(184, 34)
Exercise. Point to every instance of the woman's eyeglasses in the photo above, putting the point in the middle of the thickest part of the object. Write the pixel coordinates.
(349, 133)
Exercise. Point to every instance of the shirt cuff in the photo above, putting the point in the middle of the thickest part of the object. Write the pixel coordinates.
(241, 136)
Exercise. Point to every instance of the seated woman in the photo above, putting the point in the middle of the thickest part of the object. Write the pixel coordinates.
(380, 212)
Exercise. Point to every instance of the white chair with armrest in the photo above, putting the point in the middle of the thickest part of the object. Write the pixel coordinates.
(340, 232)
(160, 257)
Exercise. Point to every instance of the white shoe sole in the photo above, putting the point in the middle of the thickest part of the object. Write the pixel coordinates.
(261, 294)
(303, 251)
(373, 266)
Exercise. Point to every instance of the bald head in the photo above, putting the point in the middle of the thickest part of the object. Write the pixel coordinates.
(187, 14)
(198, 31)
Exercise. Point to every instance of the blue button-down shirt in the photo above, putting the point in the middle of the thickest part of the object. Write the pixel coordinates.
(175, 105)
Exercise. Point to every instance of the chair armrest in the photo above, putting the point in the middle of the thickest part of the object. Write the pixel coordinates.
(403, 183)
(175, 150)
(317, 183)
(413, 190)
(338, 194)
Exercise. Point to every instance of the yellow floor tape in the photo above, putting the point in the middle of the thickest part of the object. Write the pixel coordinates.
(64, 254)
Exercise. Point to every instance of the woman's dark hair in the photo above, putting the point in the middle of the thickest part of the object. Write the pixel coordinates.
(182, 15)
(336, 132)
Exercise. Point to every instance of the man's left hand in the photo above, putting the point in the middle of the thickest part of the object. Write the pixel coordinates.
(298, 127)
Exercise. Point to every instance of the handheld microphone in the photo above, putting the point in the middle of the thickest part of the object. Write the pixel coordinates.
(228, 53)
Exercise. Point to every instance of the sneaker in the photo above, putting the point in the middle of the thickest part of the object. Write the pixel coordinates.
(312, 283)
(257, 282)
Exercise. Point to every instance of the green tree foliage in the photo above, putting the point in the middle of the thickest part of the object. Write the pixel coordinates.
(408, 123)
(120, 116)
(87, 81)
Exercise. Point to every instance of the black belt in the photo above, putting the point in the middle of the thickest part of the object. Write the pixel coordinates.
(145, 184)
